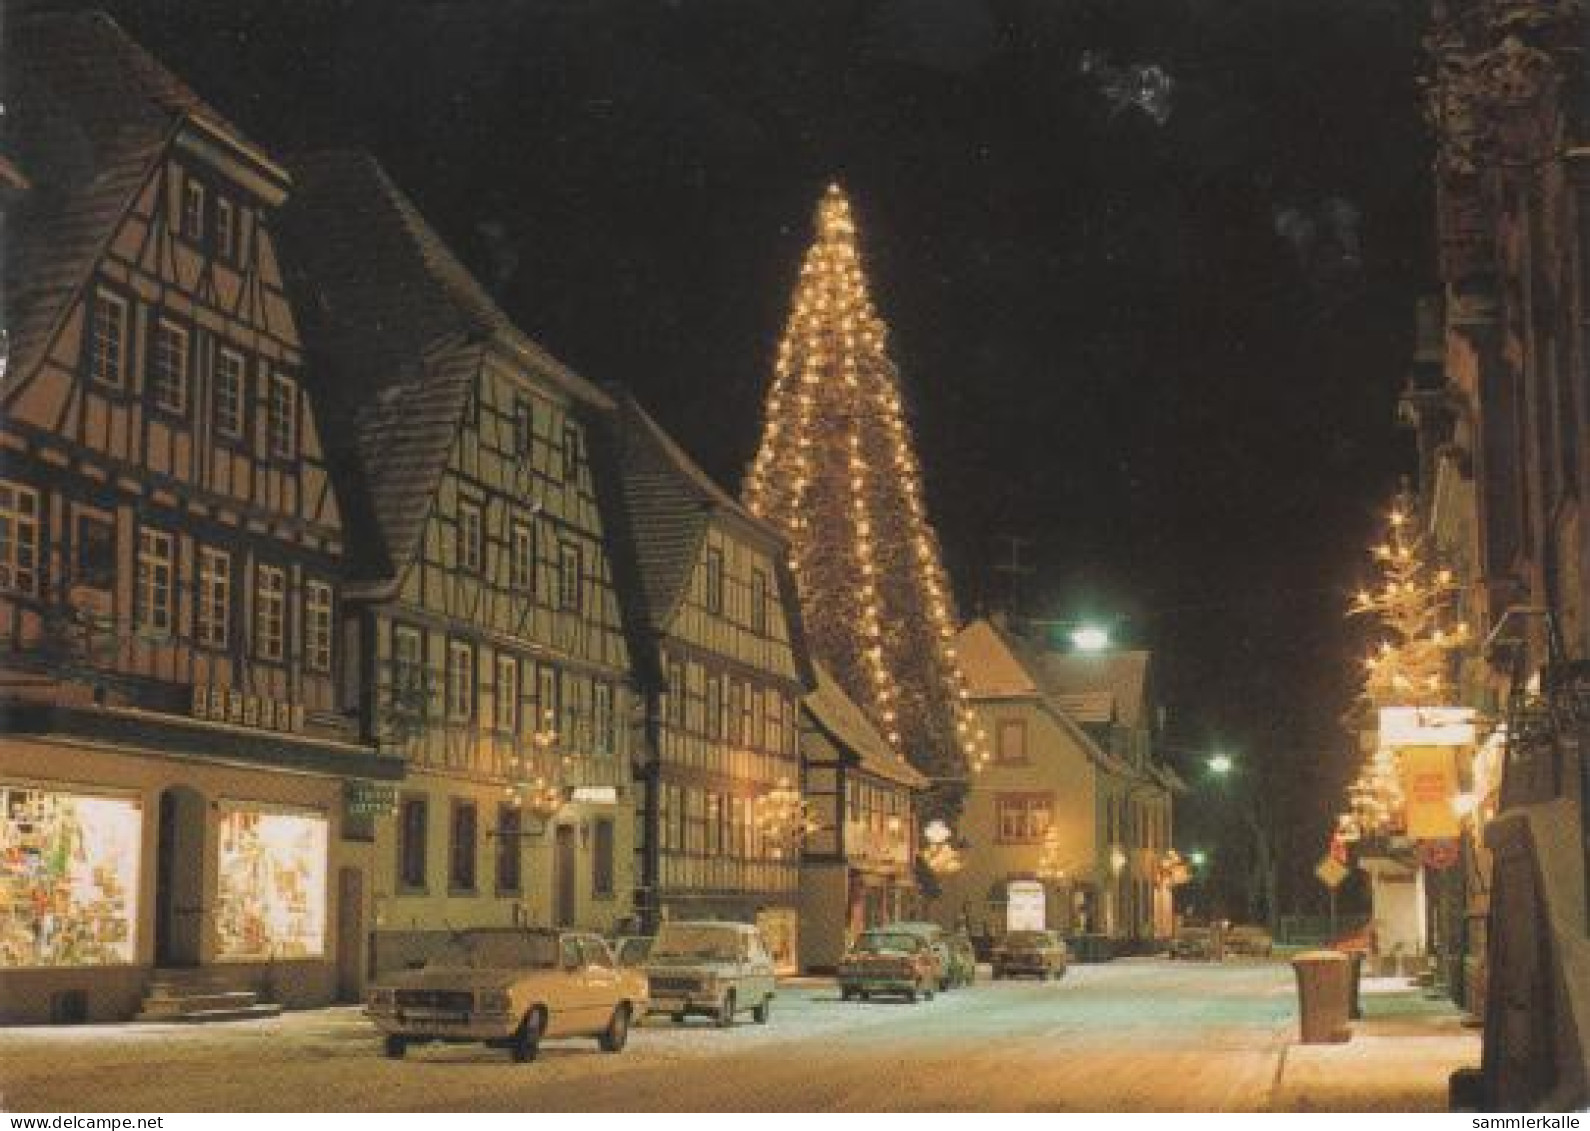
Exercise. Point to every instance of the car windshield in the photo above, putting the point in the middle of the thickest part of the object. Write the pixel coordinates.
(500, 949)
(707, 943)
(632, 952)
(888, 943)
(1026, 940)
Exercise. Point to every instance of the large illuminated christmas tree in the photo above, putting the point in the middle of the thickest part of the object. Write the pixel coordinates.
(836, 474)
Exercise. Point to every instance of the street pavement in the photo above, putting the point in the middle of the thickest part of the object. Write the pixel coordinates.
(1136, 1035)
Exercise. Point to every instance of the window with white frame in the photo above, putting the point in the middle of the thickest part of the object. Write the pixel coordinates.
(460, 681)
(1024, 818)
(469, 537)
(107, 347)
(317, 626)
(192, 209)
(168, 367)
(225, 230)
(282, 417)
(408, 660)
(507, 697)
(229, 370)
(215, 597)
(522, 565)
(154, 580)
(568, 576)
(605, 739)
(270, 612)
(19, 539)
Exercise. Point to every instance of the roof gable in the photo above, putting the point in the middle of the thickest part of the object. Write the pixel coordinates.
(843, 721)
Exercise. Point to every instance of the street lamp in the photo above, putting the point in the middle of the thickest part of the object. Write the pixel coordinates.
(1221, 764)
(1198, 858)
(1090, 638)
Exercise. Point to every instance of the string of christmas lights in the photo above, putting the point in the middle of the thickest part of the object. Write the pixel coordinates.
(837, 475)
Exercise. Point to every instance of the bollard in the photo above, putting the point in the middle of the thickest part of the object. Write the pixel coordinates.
(1323, 993)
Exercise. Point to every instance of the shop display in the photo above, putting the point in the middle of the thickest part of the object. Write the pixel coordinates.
(68, 878)
(271, 897)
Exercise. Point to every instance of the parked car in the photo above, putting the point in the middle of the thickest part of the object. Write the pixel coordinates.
(885, 960)
(711, 968)
(1041, 954)
(510, 987)
(1249, 941)
(1193, 941)
(963, 960)
(631, 951)
(936, 937)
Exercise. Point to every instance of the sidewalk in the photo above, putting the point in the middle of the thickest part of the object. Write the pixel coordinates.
(1399, 1059)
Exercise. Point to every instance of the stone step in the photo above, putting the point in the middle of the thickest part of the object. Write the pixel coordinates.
(167, 1004)
(257, 1011)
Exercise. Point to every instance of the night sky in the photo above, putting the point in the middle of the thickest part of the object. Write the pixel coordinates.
(1165, 349)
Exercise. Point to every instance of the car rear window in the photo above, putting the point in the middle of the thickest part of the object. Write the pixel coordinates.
(888, 943)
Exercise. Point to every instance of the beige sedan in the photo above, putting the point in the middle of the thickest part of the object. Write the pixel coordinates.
(509, 988)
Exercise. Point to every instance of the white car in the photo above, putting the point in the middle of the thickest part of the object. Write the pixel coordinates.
(715, 969)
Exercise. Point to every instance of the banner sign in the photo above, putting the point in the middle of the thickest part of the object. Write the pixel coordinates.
(1429, 782)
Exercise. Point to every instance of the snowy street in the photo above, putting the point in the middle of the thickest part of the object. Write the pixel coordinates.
(1130, 1035)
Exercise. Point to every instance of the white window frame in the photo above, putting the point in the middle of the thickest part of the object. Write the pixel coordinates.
(156, 580)
(214, 619)
(192, 208)
(235, 397)
(407, 670)
(570, 583)
(103, 345)
(507, 693)
(225, 233)
(522, 557)
(471, 536)
(19, 539)
(168, 368)
(460, 681)
(319, 605)
(282, 417)
(270, 612)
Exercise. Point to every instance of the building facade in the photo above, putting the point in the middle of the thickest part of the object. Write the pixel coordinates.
(179, 790)
(858, 863)
(484, 630)
(1069, 826)
(720, 770)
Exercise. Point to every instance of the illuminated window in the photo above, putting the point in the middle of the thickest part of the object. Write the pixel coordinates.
(1024, 818)
(509, 836)
(460, 681)
(507, 693)
(270, 612)
(215, 597)
(154, 582)
(1011, 742)
(19, 539)
(317, 626)
(523, 557)
(229, 393)
(714, 580)
(282, 417)
(568, 576)
(413, 819)
(168, 367)
(469, 537)
(461, 847)
(192, 209)
(69, 879)
(271, 884)
(108, 342)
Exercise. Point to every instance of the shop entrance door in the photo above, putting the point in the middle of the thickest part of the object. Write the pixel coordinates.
(565, 868)
(350, 934)
(179, 878)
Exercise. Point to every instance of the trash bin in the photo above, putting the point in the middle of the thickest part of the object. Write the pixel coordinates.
(1323, 993)
(1355, 985)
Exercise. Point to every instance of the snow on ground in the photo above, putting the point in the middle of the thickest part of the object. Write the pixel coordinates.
(1131, 1035)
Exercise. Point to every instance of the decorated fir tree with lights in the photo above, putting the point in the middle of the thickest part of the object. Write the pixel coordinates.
(836, 474)
(1413, 606)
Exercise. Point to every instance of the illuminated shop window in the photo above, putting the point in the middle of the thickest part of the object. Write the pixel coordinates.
(271, 891)
(68, 878)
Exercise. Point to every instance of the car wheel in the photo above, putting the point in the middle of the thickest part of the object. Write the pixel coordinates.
(1043, 975)
(911, 994)
(678, 1018)
(395, 1046)
(726, 1011)
(527, 1038)
(866, 995)
(616, 1035)
(762, 1012)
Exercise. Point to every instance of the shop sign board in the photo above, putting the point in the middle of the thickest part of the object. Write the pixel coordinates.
(1429, 783)
(1025, 906)
(229, 705)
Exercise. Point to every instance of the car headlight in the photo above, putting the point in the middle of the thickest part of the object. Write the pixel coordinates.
(494, 1001)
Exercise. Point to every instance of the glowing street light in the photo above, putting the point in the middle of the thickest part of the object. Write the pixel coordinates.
(1090, 638)
(1198, 858)
(1221, 764)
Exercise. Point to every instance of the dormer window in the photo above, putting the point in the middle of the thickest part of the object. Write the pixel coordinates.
(193, 209)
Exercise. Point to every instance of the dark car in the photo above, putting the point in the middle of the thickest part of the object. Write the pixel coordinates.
(1040, 954)
(963, 960)
(1193, 941)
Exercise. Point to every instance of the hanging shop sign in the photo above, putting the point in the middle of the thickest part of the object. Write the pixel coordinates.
(271, 883)
(1426, 726)
(229, 705)
(594, 794)
(1429, 782)
(68, 877)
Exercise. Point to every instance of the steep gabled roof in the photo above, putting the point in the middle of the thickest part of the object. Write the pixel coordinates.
(838, 716)
(399, 330)
(1089, 677)
(89, 113)
(667, 504)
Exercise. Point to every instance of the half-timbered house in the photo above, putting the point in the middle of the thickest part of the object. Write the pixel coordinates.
(174, 773)
(489, 643)
(719, 820)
